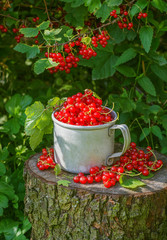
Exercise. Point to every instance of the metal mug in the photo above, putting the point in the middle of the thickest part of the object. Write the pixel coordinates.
(78, 148)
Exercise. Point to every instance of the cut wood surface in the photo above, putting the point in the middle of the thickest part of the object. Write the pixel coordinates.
(91, 211)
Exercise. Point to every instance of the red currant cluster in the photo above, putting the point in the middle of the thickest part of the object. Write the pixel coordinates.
(70, 60)
(133, 160)
(46, 160)
(16, 31)
(144, 15)
(87, 53)
(83, 110)
(18, 36)
(35, 19)
(65, 63)
(36, 41)
(3, 29)
(101, 38)
(124, 21)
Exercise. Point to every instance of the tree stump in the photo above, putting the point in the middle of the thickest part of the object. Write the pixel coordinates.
(91, 211)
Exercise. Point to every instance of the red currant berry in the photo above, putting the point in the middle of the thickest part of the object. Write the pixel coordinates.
(98, 178)
(129, 167)
(90, 179)
(149, 148)
(145, 172)
(120, 170)
(108, 184)
(83, 179)
(80, 174)
(76, 179)
(144, 15)
(133, 145)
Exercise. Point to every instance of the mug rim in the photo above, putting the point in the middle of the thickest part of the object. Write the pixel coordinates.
(96, 127)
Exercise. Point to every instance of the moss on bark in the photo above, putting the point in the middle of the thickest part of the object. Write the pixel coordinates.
(63, 213)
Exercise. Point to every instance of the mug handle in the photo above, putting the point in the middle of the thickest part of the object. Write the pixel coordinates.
(127, 139)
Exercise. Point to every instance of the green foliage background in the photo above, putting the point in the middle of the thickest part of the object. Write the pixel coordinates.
(131, 72)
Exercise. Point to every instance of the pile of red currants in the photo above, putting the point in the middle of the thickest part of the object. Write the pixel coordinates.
(134, 160)
(83, 110)
(46, 160)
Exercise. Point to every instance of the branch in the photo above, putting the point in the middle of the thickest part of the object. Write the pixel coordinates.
(46, 9)
(8, 16)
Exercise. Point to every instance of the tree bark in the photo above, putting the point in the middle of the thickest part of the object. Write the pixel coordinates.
(92, 212)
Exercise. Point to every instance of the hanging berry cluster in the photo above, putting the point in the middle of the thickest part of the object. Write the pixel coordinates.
(69, 58)
(124, 20)
(3, 29)
(133, 161)
(83, 110)
(46, 160)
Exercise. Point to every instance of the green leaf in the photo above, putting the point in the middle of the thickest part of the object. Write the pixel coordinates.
(160, 71)
(156, 131)
(45, 119)
(146, 36)
(116, 33)
(4, 153)
(42, 64)
(51, 34)
(93, 5)
(126, 71)
(36, 138)
(3, 201)
(126, 56)
(44, 25)
(147, 177)
(131, 35)
(75, 16)
(1, 212)
(160, 5)
(160, 60)
(126, 104)
(114, 2)
(144, 134)
(25, 101)
(26, 225)
(103, 12)
(20, 237)
(105, 67)
(68, 33)
(13, 105)
(130, 183)
(154, 109)
(164, 121)
(33, 113)
(86, 40)
(2, 169)
(29, 32)
(7, 224)
(147, 85)
(54, 102)
(138, 7)
(57, 169)
(31, 51)
(4, 129)
(48, 129)
(7, 190)
(63, 182)
(14, 125)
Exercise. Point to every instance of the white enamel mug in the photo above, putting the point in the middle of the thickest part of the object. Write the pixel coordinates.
(78, 148)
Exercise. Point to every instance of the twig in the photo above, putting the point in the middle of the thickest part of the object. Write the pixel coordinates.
(46, 8)
(8, 16)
